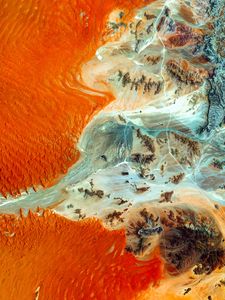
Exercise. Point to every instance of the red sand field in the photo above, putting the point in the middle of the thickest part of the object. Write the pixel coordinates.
(43, 107)
(54, 258)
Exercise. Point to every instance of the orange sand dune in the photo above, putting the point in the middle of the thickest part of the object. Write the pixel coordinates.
(43, 107)
(51, 257)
